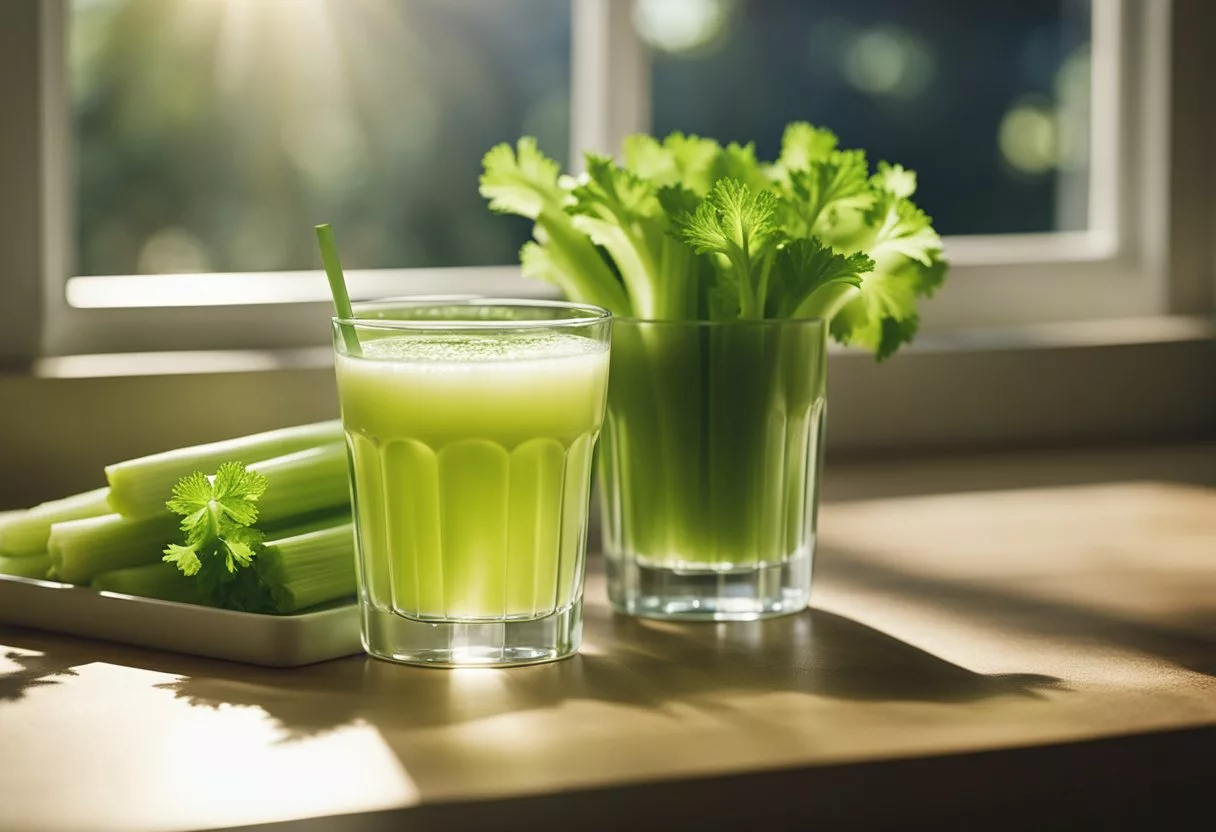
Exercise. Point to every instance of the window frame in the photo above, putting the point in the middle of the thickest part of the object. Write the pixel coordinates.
(1113, 269)
(21, 187)
(1123, 266)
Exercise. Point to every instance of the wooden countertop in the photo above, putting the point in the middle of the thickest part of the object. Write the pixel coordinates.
(971, 655)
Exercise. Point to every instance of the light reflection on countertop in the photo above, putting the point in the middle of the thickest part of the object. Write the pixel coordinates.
(956, 622)
(116, 747)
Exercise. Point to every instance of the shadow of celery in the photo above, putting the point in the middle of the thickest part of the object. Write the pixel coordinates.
(628, 662)
(32, 671)
(1187, 640)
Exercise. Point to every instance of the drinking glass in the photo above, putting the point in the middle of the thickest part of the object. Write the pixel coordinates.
(710, 465)
(471, 424)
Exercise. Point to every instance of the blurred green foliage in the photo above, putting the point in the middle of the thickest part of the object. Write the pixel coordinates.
(213, 134)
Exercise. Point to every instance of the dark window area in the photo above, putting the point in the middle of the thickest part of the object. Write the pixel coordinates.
(988, 102)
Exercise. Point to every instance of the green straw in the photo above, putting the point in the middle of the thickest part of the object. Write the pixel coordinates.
(337, 286)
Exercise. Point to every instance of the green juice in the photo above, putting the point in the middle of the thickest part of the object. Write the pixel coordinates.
(710, 457)
(470, 466)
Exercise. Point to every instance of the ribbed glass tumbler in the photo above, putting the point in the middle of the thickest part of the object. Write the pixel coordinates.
(710, 466)
(471, 426)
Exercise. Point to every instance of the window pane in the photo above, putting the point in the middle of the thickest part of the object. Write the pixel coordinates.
(988, 102)
(211, 135)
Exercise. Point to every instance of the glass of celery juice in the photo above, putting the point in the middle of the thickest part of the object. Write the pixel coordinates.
(471, 425)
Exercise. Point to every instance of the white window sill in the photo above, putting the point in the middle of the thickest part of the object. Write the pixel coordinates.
(1143, 380)
(1125, 332)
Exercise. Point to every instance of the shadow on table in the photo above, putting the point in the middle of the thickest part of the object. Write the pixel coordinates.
(32, 671)
(626, 661)
(816, 652)
(1187, 639)
(655, 666)
(631, 663)
(44, 659)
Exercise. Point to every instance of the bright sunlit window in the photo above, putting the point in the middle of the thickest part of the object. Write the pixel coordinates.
(205, 138)
(211, 135)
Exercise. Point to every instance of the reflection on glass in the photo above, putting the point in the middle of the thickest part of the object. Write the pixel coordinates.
(213, 134)
(988, 102)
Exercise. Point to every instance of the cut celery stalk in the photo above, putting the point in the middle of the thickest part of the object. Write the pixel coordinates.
(302, 483)
(304, 566)
(80, 549)
(162, 581)
(308, 569)
(299, 487)
(27, 566)
(153, 579)
(140, 487)
(25, 533)
(303, 525)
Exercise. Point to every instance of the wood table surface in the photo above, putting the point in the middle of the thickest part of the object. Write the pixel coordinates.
(1027, 634)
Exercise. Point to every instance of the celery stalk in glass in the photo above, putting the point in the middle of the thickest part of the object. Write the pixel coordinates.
(710, 446)
(733, 271)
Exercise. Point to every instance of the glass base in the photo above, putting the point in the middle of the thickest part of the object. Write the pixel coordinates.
(692, 594)
(396, 638)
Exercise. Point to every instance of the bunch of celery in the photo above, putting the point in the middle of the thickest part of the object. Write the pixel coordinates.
(688, 229)
(115, 538)
(711, 427)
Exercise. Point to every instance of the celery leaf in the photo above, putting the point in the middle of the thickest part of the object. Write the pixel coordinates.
(687, 228)
(803, 268)
(736, 223)
(520, 180)
(217, 515)
(828, 185)
(802, 144)
(184, 558)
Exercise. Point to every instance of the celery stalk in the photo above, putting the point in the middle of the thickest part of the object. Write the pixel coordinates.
(162, 581)
(297, 526)
(705, 461)
(140, 487)
(300, 485)
(301, 567)
(79, 549)
(308, 569)
(826, 301)
(25, 533)
(27, 566)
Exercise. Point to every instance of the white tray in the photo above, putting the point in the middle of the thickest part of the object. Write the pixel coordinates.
(270, 640)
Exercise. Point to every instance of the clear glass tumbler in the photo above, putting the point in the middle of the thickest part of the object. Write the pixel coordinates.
(471, 425)
(709, 466)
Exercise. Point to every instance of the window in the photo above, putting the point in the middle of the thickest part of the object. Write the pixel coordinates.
(988, 102)
(211, 135)
(186, 147)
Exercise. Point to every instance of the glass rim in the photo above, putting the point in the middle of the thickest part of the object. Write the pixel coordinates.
(589, 316)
